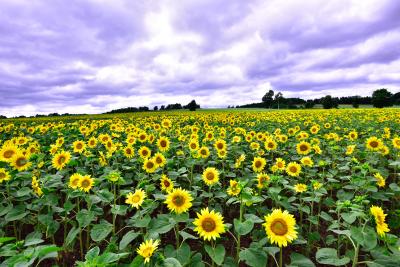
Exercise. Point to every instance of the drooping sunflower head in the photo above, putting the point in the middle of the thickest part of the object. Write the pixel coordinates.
(147, 249)
(280, 227)
(293, 169)
(379, 215)
(179, 200)
(136, 199)
(234, 188)
(209, 224)
(262, 180)
(4, 175)
(61, 159)
(210, 176)
(380, 181)
(85, 183)
(258, 164)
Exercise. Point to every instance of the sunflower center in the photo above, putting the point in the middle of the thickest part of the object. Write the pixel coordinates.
(136, 198)
(128, 151)
(2, 175)
(75, 182)
(280, 165)
(8, 154)
(374, 144)
(303, 148)
(279, 227)
(144, 152)
(270, 145)
(203, 152)
(193, 146)
(61, 160)
(178, 200)
(166, 183)
(210, 176)
(398, 142)
(150, 165)
(258, 164)
(293, 169)
(208, 224)
(85, 183)
(220, 145)
(163, 143)
(79, 146)
(21, 161)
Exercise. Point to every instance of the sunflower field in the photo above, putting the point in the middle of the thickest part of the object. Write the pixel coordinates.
(207, 188)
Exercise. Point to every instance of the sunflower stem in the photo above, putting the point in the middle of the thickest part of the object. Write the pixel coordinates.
(114, 215)
(176, 230)
(238, 236)
(80, 232)
(280, 257)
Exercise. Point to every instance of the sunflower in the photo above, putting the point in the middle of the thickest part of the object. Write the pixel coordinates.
(144, 152)
(307, 161)
(270, 145)
(262, 180)
(129, 152)
(166, 183)
(373, 143)
(149, 165)
(142, 137)
(350, 149)
(396, 142)
(179, 200)
(210, 176)
(159, 159)
(234, 188)
(280, 227)
(136, 199)
(239, 161)
(222, 153)
(92, 142)
(4, 175)
(147, 248)
(280, 164)
(61, 159)
(85, 183)
(353, 135)
(379, 215)
(79, 146)
(204, 152)
(303, 148)
(300, 188)
(209, 224)
(220, 144)
(193, 145)
(74, 180)
(7, 152)
(380, 180)
(20, 161)
(293, 169)
(316, 185)
(163, 144)
(258, 164)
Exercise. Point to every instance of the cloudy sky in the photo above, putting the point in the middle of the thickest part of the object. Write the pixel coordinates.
(90, 56)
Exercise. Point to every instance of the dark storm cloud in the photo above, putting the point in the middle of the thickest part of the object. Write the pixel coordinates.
(96, 55)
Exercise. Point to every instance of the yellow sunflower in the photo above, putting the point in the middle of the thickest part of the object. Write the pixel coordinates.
(149, 165)
(147, 248)
(61, 159)
(20, 161)
(280, 227)
(210, 176)
(373, 143)
(79, 146)
(74, 180)
(193, 145)
(159, 159)
(262, 180)
(293, 169)
(307, 161)
(270, 144)
(85, 183)
(300, 188)
(220, 144)
(209, 224)
(234, 188)
(163, 144)
(280, 164)
(204, 152)
(4, 175)
(350, 149)
(7, 152)
(396, 142)
(179, 200)
(303, 148)
(92, 142)
(379, 215)
(129, 152)
(144, 152)
(258, 164)
(380, 180)
(136, 199)
(166, 183)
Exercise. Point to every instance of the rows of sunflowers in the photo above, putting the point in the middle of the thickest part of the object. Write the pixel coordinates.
(217, 188)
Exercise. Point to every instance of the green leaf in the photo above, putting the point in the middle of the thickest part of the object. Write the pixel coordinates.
(243, 228)
(92, 254)
(85, 217)
(272, 250)
(300, 260)
(349, 217)
(16, 214)
(137, 261)
(71, 236)
(171, 262)
(127, 238)
(6, 239)
(100, 231)
(119, 210)
(183, 254)
(217, 254)
(142, 222)
(330, 256)
(187, 235)
(254, 257)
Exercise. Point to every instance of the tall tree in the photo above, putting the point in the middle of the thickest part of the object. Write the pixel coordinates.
(328, 102)
(278, 97)
(268, 98)
(382, 98)
(192, 106)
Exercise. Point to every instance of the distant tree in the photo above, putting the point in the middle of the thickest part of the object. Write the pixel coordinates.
(309, 104)
(267, 99)
(382, 98)
(3, 117)
(328, 102)
(155, 108)
(355, 104)
(278, 97)
(192, 106)
(162, 107)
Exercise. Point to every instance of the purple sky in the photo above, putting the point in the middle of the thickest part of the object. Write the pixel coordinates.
(92, 56)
